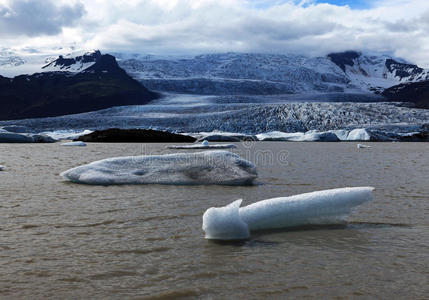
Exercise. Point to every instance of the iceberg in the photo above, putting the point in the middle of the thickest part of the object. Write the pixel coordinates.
(74, 144)
(2, 168)
(316, 208)
(359, 146)
(203, 146)
(209, 167)
(359, 134)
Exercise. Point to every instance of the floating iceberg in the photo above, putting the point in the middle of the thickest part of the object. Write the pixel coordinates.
(316, 208)
(359, 146)
(203, 146)
(209, 167)
(74, 144)
(2, 168)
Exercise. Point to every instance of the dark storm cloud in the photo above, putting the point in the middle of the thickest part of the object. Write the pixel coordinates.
(34, 18)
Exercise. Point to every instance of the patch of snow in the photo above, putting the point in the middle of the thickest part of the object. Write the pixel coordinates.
(210, 167)
(316, 208)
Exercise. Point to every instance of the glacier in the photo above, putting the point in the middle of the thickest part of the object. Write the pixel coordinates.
(209, 167)
(316, 208)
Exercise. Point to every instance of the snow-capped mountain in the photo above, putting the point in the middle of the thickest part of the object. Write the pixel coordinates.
(29, 61)
(234, 73)
(73, 64)
(377, 72)
(247, 73)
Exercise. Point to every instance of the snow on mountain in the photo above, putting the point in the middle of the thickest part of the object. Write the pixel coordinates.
(374, 72)
(73, 64)
(250, 73)
(234, 73)
(29, 61)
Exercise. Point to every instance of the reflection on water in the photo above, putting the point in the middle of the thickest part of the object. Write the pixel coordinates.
(63, 240)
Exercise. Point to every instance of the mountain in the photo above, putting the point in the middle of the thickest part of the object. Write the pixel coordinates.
(250, 73)
(73, 64)
(101, 85)
(236, 73)
(414, 92)
(376, 72)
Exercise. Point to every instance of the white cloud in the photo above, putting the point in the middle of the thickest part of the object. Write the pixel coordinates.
(194, 26)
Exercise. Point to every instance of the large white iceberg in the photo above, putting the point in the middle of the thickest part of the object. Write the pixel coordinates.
(210, 167)
(316, 208)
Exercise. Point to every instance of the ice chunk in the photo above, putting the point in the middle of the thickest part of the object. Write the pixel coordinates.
(74, 144)
(359, 146)
(309, 136)
(279, 136)
(224, 223)
(315, 208)
(2, 168)
(66, 134)
(359, 134)
(205, 143)
(202, 146)
(209, 167)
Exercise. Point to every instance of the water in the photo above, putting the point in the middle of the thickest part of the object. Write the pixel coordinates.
(63, 240)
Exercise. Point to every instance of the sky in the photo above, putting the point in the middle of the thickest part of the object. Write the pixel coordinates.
(308, 27)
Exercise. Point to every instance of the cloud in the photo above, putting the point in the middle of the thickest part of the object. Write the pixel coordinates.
(400, 27)
(35, 18)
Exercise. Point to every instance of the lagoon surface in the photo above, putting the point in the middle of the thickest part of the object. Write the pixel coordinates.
(67, 241)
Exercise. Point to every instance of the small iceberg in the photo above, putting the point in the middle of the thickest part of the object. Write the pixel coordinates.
(209, 167)
(74, 144)
(316, 208)
(203, 145)
(2, 168)
(359, 146)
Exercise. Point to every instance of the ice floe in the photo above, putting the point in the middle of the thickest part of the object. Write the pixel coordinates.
(74, 144)
(315, 208)
(203, 145)
(359, 146)
(209, 167)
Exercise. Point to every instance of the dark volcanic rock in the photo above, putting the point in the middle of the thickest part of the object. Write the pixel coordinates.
(115, 135)
(416, 92)
(102, 85)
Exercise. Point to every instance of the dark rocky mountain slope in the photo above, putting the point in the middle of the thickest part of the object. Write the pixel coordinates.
(102, 85)
(415, 92)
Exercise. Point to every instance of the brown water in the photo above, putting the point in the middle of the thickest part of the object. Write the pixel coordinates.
(62, 240)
